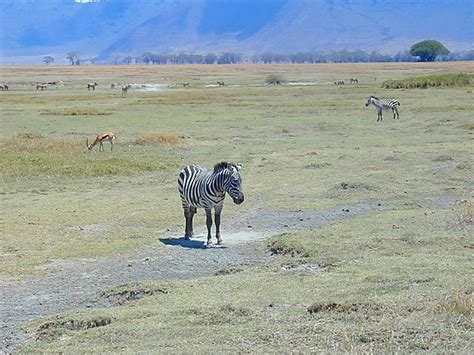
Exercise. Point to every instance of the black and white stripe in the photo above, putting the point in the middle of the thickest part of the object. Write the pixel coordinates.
(383, 105)
(199, 187)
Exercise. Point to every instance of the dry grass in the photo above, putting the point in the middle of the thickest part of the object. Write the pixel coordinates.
(427, 81)
(92, 111)
(461, 303)
(152, 138)
(466, 214)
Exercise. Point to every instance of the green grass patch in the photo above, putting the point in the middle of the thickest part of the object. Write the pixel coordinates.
(430, 81)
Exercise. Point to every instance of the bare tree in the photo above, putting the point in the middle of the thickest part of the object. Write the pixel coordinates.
(73, 57)
(48, 60)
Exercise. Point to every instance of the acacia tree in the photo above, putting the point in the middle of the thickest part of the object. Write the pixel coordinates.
(428, 50)
(73, 57)
(48, 60)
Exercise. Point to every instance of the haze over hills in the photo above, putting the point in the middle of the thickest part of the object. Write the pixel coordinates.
(31, 29)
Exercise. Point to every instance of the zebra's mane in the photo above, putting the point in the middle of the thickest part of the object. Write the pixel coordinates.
(373, 97)
(223, 165)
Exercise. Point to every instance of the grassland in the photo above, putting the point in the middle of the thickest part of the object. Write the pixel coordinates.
(397, 279)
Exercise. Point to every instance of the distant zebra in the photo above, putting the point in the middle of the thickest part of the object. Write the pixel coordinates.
(354, 81)
(339, 82)
(92, 86)
(112, 86)
(41, 86)
(199, 187)
(383, 105)
(186, 84)
(220, 83)
(125, 89)
(4, 87)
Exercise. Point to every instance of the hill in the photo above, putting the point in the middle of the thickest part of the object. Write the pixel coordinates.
(107, 28)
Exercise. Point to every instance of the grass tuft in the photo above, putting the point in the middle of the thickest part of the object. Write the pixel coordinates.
(461, 303)
(152, 138)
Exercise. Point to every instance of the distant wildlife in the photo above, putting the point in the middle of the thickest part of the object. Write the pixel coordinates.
(186, 84)
(41, 87)
(199, 187)
(92, 86)
(125, 89)
(112, 86)
(381, 106)
(354, 81)
(100, 139)
(339, 82)
(220, 83)
(4, 87)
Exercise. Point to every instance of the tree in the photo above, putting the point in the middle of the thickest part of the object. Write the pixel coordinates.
(128, 59)
(428, 50)
(73, 57)
(48, 60)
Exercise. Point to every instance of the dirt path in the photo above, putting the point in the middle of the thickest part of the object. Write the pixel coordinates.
(73, 283)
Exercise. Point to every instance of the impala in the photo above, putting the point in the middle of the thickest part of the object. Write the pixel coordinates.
(100, 139)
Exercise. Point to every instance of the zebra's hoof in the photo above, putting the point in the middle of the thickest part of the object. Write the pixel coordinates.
(219, 241)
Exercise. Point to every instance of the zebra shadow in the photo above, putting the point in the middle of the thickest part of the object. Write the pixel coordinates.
(184, 243)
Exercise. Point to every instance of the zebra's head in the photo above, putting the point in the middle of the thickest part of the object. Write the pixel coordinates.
(370, 100)
(233, 181)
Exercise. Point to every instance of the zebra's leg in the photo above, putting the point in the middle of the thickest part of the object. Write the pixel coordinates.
(188, 218)
(209, 224)
(217, 216)
(396, 111)
(192, 212)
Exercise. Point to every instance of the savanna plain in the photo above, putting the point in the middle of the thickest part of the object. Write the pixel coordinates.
(355, 235)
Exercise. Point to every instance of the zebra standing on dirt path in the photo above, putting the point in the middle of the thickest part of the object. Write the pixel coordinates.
(199, 187)
(383, 105)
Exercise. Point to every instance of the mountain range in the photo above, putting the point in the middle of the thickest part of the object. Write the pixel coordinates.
(31, 29)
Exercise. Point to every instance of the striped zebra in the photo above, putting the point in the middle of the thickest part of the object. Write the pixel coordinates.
(383, 105)
(199, 187)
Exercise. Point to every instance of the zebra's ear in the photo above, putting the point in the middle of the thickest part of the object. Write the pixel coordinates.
(238, 166)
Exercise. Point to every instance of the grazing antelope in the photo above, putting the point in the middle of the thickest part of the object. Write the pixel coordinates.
(4, 87)
(100, 139)
(354, 81)
(92, 86)
(125, 89)
(220, 83)
(41, 86)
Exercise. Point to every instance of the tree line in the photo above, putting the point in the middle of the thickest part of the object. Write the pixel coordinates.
(428, 50)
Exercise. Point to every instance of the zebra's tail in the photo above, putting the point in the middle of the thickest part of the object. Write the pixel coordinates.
(398, 103)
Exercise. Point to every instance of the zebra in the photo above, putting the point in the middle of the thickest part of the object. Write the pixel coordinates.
(41, 86)
(199, 187)
(383, 105)
(92, 86)
(186, 84)
(354, 81)
(339, 82)
(220, 83)
(4, 87)
(125, 89)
